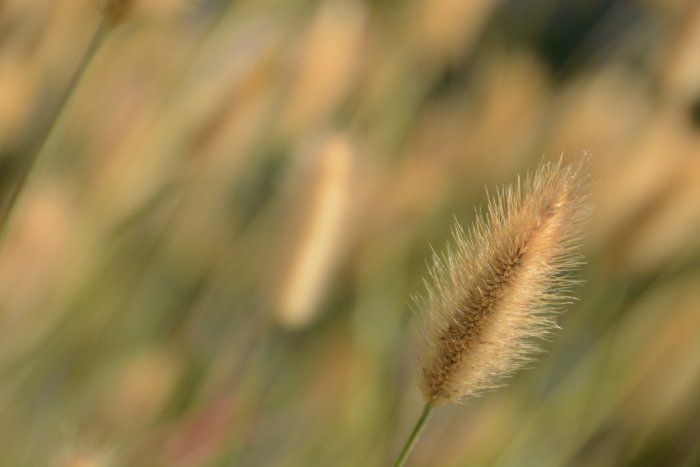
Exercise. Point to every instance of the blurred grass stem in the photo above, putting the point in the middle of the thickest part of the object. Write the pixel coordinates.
(411, 441)
(7, 208)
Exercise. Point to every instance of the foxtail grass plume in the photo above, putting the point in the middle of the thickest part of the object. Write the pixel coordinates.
(327, 199)
(500, 285)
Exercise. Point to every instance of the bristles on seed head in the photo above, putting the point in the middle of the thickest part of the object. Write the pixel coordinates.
(499, 286)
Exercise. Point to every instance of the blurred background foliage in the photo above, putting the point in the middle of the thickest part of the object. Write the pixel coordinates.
(214, 262)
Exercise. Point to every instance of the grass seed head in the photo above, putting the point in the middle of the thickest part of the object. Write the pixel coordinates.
(118, 11)
(500, 285)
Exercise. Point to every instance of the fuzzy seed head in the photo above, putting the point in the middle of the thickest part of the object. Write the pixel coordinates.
(500, 285)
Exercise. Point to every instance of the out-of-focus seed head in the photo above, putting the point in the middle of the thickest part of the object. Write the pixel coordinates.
(117, 11)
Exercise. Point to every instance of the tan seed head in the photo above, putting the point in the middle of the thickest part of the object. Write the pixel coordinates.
(499, 286)
(118, 11)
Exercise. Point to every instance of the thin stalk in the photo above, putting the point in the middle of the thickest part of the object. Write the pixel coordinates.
(8, 206)
(411, 441)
